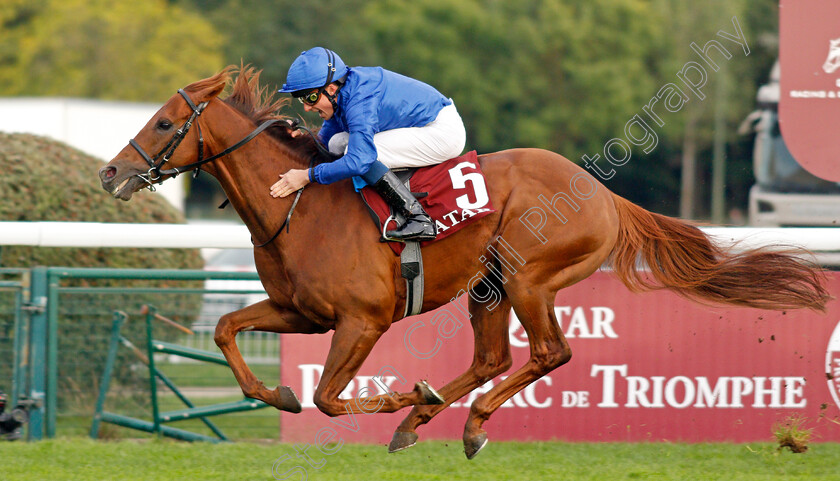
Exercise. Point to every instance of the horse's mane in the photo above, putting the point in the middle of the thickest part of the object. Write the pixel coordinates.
(258, 103)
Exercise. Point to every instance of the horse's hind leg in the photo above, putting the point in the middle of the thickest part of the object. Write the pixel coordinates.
(351, 345)
(491, 357)
(262, 316)
(549, 350)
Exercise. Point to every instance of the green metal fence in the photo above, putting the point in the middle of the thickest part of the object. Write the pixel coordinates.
(59, 320)
(159, 418)
(14, 335)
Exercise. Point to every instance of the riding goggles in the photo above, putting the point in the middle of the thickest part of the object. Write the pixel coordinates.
(310, 98)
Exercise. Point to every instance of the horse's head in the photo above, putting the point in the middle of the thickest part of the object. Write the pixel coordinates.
(153, 154)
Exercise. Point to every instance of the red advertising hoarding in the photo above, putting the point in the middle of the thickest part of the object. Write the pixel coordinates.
(645, 367)
(809, 97)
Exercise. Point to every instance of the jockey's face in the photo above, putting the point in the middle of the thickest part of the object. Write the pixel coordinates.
(323, 106)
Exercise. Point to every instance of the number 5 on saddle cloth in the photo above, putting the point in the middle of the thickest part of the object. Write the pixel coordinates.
(453, 193)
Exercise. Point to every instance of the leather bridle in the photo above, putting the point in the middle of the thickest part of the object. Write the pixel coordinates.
(155, 163)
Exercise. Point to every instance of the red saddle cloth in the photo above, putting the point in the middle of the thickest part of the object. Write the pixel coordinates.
(457, 196)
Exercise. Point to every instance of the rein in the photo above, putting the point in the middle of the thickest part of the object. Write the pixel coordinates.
(155, 163)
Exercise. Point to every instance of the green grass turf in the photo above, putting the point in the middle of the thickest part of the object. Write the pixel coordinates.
(81, 459)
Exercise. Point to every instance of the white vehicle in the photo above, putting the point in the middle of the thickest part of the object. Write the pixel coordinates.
(785, 194)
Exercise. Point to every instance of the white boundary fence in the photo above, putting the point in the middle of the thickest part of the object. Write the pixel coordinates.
(95, 234)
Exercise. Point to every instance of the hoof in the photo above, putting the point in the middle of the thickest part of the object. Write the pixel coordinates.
(474, 444)
(288, 400)
(402, 440)
(430, 396)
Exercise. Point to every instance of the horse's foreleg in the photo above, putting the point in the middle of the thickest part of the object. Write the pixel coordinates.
(549, 350)
(262, 316)
(351, 344)
(491, 357)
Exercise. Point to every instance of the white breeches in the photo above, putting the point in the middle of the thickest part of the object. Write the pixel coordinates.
(433, 143)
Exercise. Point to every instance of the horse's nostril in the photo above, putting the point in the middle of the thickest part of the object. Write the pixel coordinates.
(108, 172)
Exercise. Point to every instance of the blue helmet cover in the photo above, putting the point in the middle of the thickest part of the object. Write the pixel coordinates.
(311, 70)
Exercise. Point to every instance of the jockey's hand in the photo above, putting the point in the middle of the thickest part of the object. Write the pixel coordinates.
(290, 182)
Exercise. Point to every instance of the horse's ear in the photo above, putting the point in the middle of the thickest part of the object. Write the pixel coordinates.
(209, 88)
(209, 93)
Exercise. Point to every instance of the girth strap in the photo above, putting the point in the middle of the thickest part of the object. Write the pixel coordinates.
(411, 269)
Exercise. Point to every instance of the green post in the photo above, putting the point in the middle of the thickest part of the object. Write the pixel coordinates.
(152, 378)
(21, 339)
(119, 318)
(52, 353)
(37, 352)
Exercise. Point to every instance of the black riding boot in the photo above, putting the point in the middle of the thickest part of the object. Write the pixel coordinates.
(418, 225)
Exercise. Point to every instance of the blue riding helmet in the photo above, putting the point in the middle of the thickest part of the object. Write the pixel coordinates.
(314, 68)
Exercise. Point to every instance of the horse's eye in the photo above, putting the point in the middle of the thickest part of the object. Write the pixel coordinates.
(164, 124)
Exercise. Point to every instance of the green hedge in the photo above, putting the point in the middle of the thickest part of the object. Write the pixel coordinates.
(45, 180)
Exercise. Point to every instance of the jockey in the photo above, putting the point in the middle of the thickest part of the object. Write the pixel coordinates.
(377, 120)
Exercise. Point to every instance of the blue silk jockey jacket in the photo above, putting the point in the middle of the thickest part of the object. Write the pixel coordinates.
(374, 100)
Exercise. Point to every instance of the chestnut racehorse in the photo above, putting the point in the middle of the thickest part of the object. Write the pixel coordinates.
(330, 272)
